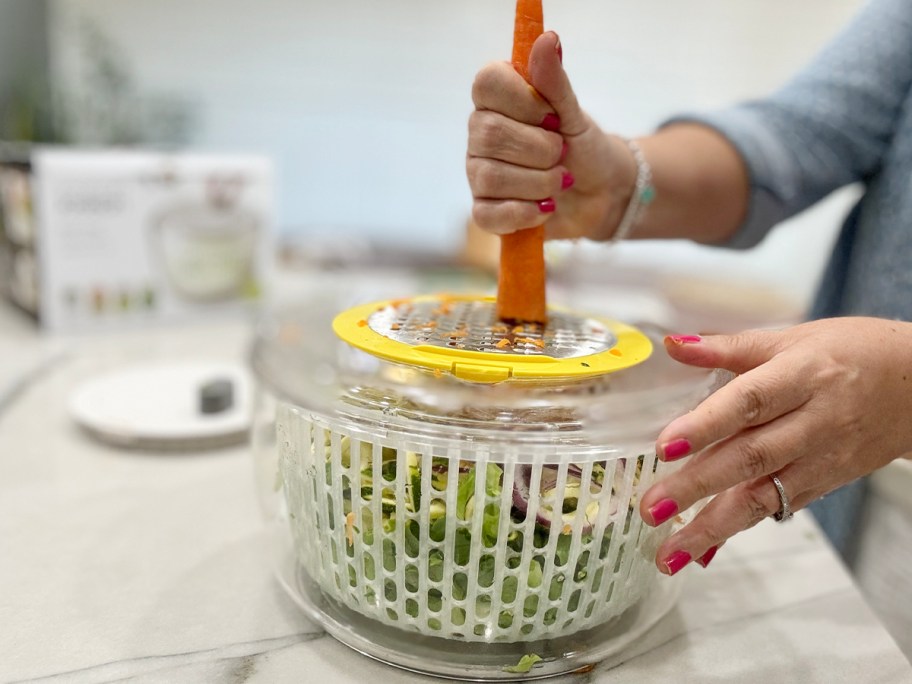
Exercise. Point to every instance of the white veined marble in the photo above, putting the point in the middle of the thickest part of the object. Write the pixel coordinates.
(154, 567)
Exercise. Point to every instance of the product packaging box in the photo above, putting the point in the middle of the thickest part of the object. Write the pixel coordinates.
(96, 239)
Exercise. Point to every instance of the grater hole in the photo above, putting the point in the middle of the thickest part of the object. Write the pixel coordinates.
(530, 606)
(556, 588)
(435, 565)
(574, 601)
(486, 568)
(458, 616)
(440, 469)
(491, 525)
(562, 552)
(590, 608)
(463, 545)
(369, 570)
(509, 588)
(505, 620)
(460, 585)
(411, 578)
(550, 616)
(579, 574)
(519, 518)
(389, 590)
(412, 542)
(527, 629)
(389, 555)
(411, 607)
(628, 521)
(437, 530)
(434, 600)
(330, 514)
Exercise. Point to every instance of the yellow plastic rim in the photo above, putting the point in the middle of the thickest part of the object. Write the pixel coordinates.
(352, 326)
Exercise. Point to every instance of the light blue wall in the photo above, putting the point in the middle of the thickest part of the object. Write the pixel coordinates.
(363, 104)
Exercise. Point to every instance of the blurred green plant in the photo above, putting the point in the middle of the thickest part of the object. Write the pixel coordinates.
(105, 107)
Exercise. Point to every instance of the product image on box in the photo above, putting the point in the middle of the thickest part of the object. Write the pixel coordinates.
(120, 237)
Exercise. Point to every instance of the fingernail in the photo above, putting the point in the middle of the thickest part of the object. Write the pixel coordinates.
(563, 153)
(675, 449)
(551, 122)
(708, 556)
(547, 206)
(676, 561)
(663, 510)
(567, 180)
(685, 339)
(560, 50)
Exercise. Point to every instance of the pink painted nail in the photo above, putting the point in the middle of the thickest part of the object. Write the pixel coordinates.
(547, 206)
(675, 449)
(567, 180)
(676, 561)
(685, 339)
(563, 153)
(551, 122)
(663, 510)
(708, 556)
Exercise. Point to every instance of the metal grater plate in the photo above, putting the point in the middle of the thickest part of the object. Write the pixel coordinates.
(473, 325)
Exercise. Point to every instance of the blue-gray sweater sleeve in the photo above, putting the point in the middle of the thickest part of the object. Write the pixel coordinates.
(829, 126)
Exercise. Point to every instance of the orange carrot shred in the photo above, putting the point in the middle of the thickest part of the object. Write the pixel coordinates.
(362, 323)
(521, 281)
(350, 528)
(503, 343)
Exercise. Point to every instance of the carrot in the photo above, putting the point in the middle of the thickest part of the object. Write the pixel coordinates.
(530, 24)
(521, 280)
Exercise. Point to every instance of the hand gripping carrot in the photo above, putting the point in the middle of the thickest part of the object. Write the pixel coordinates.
(521, 281)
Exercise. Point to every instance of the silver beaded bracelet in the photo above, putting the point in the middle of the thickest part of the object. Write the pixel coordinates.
(643, 193)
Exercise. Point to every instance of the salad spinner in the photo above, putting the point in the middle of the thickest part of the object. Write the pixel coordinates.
(439, 513)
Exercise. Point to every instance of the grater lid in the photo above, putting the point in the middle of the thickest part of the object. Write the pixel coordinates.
(297, 358)
(462, 335)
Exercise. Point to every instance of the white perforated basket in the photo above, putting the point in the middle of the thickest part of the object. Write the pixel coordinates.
(385, 528)
(457, 529)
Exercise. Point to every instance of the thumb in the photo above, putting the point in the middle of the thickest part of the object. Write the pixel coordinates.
(736, 353)
(547, 75)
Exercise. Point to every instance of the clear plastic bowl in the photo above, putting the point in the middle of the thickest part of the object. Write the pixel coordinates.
(467, 531)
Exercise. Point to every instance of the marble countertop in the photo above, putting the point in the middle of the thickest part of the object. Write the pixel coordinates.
(154, 567)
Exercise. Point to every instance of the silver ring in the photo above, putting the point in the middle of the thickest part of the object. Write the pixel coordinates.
(785, 510)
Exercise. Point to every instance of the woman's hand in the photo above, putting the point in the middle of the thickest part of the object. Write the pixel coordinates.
(535, 157)
(817, 405)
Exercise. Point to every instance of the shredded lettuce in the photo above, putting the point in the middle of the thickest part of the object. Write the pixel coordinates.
(525, 664)
(358, 497)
